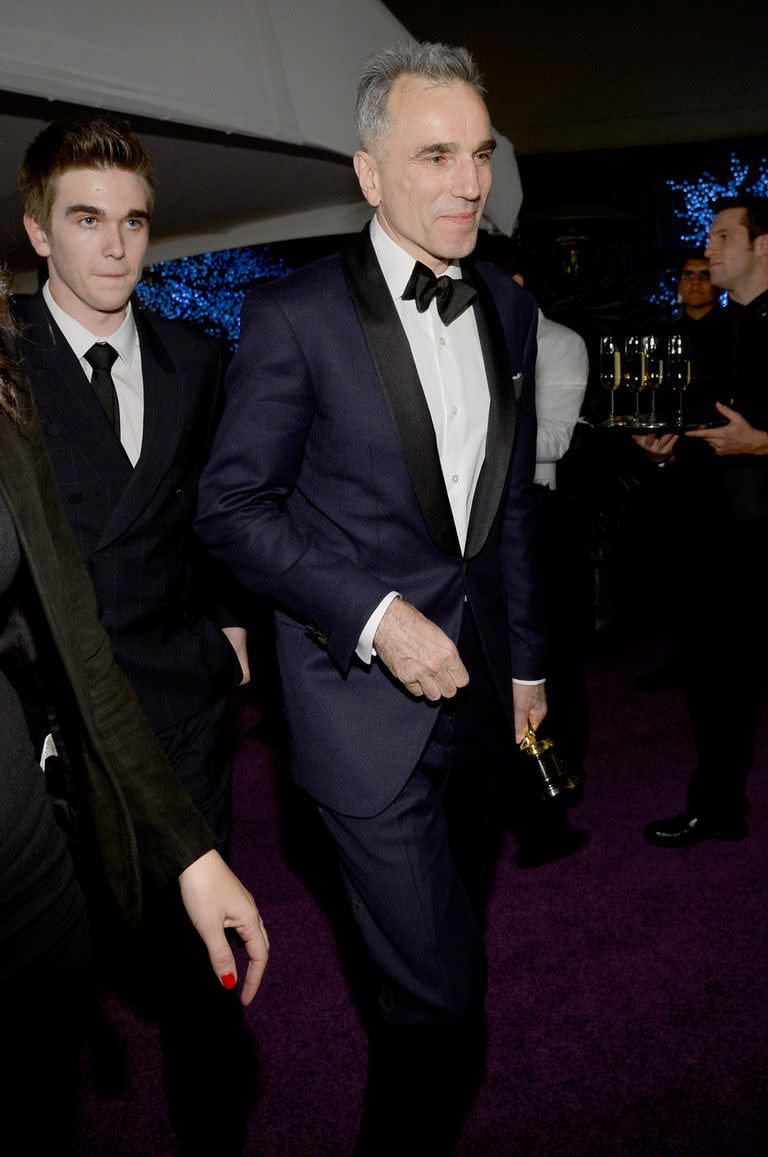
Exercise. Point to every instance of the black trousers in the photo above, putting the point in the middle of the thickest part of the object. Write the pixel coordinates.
(417, 876)
(201, 751)
(724, 575)
(565, 578)
(208, 1062)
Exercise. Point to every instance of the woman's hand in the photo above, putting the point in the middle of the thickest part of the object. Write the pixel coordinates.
(215, 900)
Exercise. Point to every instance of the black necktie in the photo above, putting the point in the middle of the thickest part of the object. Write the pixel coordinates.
(102, 357)
(453, 295)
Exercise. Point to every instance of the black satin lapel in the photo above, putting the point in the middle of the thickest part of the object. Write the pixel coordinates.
(396, 371)
(163, 406)
(501, 417)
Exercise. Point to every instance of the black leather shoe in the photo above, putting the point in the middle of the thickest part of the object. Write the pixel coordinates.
(688, 828)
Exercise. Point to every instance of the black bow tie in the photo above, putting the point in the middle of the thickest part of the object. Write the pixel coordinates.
(453, 295)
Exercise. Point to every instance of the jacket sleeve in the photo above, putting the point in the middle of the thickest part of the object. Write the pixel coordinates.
(143, 822)
(518, 539)
(256, 463)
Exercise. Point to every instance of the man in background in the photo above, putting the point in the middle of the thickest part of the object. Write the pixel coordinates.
(721, 479)
(701, 322)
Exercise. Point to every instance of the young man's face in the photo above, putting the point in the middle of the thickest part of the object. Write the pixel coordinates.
(431, 174)
(95, 244)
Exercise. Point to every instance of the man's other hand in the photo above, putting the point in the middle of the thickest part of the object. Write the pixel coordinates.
(530, 702)
(735, 437)
(418, 653)
(658, 449)
(238, 637)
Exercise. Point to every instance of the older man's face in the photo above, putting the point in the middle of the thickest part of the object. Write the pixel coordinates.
(431, 173)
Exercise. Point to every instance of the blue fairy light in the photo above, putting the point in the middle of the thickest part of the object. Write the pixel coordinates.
(696, 212)
(208, 290)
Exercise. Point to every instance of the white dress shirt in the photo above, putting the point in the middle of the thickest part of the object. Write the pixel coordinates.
(126, 372)
(450, 365)
(562, 368)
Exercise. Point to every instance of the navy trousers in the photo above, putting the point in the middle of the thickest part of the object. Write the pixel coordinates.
(417, 876)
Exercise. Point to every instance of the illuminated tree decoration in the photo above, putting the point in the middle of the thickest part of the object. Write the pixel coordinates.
(208, 290)
(696, 213)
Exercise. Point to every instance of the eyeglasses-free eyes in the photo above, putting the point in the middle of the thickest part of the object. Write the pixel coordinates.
(695, 274)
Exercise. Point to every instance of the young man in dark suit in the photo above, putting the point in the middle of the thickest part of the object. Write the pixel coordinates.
(128, 403)
(373, 473)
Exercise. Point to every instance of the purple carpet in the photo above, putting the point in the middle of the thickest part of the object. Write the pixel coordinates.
(628, 1011)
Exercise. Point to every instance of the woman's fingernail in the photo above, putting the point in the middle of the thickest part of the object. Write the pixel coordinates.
(229, 980)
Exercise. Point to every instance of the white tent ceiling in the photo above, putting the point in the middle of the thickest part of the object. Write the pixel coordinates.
(244, 105)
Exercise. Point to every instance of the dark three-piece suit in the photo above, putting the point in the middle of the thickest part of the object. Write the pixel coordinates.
(134, 825)
(325, 492)
(156, 595)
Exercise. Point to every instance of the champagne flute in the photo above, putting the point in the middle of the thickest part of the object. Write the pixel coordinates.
(679, 369)
(634, 372)
(654, 374)
(610, 372)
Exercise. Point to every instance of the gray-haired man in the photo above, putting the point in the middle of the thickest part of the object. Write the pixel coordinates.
(372, 473)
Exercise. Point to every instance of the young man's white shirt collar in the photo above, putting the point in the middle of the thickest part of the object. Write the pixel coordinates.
(126, 372)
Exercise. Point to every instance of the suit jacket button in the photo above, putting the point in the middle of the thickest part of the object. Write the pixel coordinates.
(75, 498)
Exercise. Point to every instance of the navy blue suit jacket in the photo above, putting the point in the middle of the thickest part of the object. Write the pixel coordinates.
(134, 524)
(324, 491)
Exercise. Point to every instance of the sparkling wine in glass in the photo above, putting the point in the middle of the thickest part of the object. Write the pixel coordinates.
(634, 372)
(678, 369)
(610, 372)
(654, 374)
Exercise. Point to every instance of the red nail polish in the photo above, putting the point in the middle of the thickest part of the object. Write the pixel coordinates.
(228, 980)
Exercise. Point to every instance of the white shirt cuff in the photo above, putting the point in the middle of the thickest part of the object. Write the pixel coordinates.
(530, 682)
(364, 649)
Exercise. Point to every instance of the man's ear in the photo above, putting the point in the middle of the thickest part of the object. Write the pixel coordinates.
(761, 245)
(37, 236)
(368, 176)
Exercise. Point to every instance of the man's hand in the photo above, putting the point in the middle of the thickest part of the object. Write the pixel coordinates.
(215, 899)
(530, 701)
(238, 637)
(418, 653)
(657, 449)
(736, 437)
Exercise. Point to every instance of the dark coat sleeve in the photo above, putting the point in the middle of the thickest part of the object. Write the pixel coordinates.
(143, 824)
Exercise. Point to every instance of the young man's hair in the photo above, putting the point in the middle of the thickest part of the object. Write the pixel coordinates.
(99, 142)
(755, 211)
(439, 63)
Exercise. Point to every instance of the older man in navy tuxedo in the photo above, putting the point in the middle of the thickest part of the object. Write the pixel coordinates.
(372, 473)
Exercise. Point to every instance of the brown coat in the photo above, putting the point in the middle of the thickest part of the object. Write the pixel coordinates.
(142, 823)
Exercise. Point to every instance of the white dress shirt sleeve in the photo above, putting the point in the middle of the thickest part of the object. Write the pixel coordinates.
(562, 368)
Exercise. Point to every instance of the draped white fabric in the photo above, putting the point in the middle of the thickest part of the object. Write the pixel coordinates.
(281, 70)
